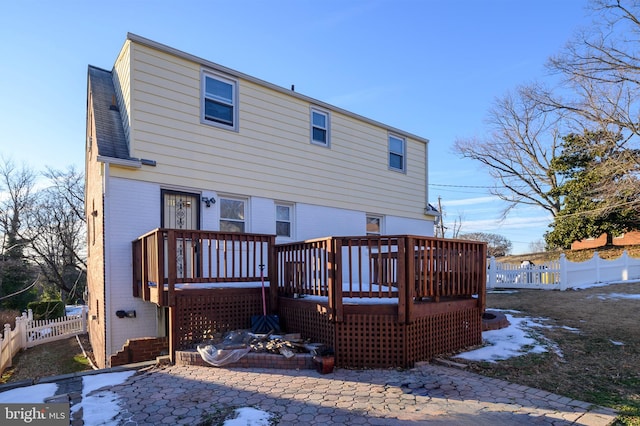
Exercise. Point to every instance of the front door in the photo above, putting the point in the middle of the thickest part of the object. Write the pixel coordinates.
(180, 210)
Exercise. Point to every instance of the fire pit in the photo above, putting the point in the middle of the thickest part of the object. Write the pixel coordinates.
(494, 320)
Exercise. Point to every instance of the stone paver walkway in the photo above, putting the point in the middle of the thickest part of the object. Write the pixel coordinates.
(427, 394)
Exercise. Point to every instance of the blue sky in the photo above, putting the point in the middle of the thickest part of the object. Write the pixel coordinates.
(432, 68)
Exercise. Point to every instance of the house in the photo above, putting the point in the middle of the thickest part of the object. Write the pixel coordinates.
(627, 239)
(187, 158)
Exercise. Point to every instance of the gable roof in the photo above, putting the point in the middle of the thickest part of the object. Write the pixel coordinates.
(110, 136)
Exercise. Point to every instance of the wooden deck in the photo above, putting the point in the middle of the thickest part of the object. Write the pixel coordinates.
(379, 301)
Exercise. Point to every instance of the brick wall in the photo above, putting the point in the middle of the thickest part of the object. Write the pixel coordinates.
(628, 239)
(590, 243)
(141, 349)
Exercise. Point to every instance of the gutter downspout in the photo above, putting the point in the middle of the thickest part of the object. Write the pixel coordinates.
(107, 266)
(426, 175)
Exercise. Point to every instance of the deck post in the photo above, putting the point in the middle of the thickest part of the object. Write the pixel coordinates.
(171, 255)
(272, 270)
(406, 279)
(482, 276)
(158, 246)
(334, 284)
(173, 333)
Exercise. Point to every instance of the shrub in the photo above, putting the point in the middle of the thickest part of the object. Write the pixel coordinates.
(8, 316)
(47, 310)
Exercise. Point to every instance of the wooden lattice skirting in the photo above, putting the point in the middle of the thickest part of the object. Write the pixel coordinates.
(199, 314)
(370, 336)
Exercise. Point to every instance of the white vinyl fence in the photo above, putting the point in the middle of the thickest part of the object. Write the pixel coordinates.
(29, 332)
(562, 274)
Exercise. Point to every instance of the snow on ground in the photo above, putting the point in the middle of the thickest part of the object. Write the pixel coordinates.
(101, 407)
(249, 416)
(519, 338)
(35, 394)
(616, 296)
(74, 310)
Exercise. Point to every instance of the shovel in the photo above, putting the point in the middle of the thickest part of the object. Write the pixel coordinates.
(262, 324)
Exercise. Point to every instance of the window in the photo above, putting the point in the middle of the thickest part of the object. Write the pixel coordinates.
(396, 153)
(219, 101)
(319, 127)
(283, 220)
(232, 215)
(374, 225)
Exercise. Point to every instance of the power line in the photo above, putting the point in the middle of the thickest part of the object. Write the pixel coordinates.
(21, 291)
(461, 186)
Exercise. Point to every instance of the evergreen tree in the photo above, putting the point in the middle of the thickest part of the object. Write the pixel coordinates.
(588, 162)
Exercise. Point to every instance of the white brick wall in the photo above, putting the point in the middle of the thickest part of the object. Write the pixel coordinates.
(134, 209)
(403, 226)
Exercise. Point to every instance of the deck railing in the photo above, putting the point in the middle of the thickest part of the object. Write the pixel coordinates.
(164, 258)
(409, 268)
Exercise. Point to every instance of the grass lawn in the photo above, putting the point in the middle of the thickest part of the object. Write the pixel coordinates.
(49, 359)
(597, 333)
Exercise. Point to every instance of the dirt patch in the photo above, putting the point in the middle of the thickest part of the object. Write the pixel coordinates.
(598, 336)
(50, 359)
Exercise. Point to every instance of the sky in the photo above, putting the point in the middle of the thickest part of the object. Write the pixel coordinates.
(431, 68)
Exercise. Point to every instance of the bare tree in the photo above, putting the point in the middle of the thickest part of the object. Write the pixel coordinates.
(18, 186)
(17, 189)
(601, 70)
(497, 245)
(445, 228)
(537, 246)
(524, 138)
(57, 229)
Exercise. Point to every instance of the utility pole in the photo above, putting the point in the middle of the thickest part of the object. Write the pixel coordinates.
(441, 224)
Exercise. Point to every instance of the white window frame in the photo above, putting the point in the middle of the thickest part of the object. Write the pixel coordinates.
(205, 74)
(326, 128)
(245, 204)
(403, 154)
(380, 221)
(291, 235)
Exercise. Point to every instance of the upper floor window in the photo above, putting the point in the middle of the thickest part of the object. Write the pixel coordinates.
(232, 214)
(374, 225)
(319, 127)
(219, 101)
(397, 154)
(284, 219)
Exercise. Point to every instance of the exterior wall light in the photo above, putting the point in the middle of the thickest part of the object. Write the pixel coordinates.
(208, 201)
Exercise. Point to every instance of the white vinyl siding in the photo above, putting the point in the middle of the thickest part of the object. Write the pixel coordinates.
(270, 154)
